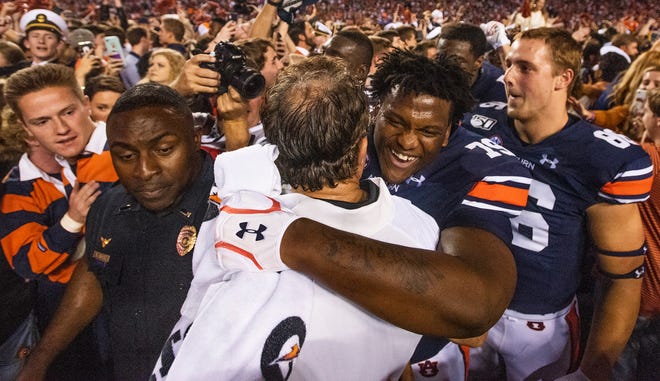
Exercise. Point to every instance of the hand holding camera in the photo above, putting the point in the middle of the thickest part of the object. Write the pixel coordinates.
(230, 63)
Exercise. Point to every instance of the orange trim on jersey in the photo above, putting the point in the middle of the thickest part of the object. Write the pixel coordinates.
(274, 208)
(239, 251)
(500, 193)
(465, 351)
(96, 167)
(628, 188)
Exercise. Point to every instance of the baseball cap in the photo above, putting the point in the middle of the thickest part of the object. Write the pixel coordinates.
(45, 20)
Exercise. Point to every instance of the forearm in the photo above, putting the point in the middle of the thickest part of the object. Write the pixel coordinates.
(80, 304)
(262, 23)
(237, 134)
(33, 249)
(420, 290)
(617, 306)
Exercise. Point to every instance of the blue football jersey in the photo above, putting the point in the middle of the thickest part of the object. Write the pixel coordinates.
(577, 167)
(473, 182)
(489, 86)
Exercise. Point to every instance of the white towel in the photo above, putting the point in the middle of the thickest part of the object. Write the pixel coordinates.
(249, 168)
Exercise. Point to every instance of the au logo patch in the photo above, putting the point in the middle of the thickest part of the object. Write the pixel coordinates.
(536, 325)
(428, 368)
(186, 240)
(281, 348)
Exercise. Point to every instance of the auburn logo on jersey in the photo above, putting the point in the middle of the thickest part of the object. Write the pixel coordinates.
(281, 348)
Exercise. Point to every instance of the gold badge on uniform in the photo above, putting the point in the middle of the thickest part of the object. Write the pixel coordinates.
(186, 240)
(105, 242)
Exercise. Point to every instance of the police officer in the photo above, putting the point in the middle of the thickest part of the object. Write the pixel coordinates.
(138, 261)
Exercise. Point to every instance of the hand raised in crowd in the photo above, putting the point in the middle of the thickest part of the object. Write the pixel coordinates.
(113, 66)
(225, 34)
(195, 79)
(82, 197)
(86, 64)
(233, 117)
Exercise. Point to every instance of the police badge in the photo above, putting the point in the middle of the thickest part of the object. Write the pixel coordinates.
(186, 240)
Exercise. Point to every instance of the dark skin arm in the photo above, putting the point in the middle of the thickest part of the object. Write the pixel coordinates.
(458, 291)
(81, 303)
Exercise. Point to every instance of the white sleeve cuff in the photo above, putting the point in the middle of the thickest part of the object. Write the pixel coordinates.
(70, 225)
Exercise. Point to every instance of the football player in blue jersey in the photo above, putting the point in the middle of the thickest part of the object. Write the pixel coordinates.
(468, 184)
(584, 194)
(469, 44)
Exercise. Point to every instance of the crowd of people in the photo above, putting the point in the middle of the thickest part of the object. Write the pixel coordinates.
(255, 189)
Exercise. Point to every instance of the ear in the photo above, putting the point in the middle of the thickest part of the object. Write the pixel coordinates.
(198, 137)
(362, 155)
(479, 61)
(447, 134)
(564, 79)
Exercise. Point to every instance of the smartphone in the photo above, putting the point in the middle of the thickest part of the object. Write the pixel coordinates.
(113, 48)
(84, 47)
(637, 107)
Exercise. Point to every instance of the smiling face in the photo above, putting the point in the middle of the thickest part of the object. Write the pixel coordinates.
(153, 152)
(57, 119)
(159, 70)
(42, 45)
(410, 131)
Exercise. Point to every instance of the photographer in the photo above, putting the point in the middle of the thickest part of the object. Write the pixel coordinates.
(238, 116)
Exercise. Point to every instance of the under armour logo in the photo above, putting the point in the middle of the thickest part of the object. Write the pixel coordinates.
(428, 368)
(418, 181)
(545, 160)
(244, 229)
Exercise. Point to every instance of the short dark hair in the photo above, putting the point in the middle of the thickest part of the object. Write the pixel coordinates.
(406, 32)
(316, 113)
(153, 95)
(103, 83)
(135, 33)
(255, 50)
(469, 33)
(410, 73)
(623, 39)
(296, 28)
(611, 64)
(175, 26)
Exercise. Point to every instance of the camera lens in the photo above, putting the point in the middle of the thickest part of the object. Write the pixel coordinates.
(250, 84)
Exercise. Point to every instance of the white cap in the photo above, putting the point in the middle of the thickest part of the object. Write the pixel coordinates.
(436, 16)
(321, 29)
(45, 20)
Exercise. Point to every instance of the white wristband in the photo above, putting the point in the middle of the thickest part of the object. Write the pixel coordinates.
(70, 225)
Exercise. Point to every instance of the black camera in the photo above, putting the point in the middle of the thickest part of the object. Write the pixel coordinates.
(230, 63)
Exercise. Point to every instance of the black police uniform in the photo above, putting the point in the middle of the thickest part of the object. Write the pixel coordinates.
(143, 261)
